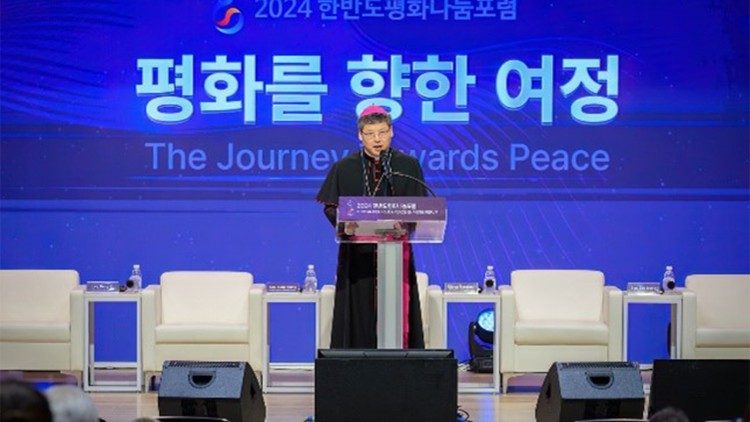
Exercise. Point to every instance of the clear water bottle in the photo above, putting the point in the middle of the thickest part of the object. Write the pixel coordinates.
(667, 282)
(489, 285)
(136, 279)
(311, 280)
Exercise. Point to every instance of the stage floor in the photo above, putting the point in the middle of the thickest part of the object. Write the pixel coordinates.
(517, 405)
(124, 407)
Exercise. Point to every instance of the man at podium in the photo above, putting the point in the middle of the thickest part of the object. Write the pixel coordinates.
(374, 170)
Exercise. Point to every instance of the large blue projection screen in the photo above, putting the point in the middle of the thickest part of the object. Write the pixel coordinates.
(194, 134)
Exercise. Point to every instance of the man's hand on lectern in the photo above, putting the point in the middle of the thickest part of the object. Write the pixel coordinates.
(350, 228)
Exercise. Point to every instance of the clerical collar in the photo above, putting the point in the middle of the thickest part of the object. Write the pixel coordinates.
(370, 157)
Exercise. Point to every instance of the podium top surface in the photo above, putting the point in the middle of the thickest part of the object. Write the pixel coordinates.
(368, 219)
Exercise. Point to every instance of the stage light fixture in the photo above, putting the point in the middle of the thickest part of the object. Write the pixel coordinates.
(481, 341)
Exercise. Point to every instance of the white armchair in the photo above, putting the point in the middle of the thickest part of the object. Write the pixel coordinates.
(202, 315)
(41, 321)
(558, 315)
(430, 304)
(716, 316)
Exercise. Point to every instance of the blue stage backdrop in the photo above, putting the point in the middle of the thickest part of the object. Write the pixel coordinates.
(193, 135)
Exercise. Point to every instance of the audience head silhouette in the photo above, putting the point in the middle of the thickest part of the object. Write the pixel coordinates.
(20, 402)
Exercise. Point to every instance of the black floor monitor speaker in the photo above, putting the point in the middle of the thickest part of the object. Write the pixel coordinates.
(227, 390)
(574, 391)
(386, 385)
(704, 389)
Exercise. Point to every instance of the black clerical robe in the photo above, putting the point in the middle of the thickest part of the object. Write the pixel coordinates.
(355, 307)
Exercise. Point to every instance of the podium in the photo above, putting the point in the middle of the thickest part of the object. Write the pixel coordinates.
(391, 222)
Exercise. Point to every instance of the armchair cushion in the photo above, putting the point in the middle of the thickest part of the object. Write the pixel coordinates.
(202, 333)
(36, 295)
(722, 300)
(543, 295)
(193, 297)
(35, 332)
(561, 333)
(722, 337)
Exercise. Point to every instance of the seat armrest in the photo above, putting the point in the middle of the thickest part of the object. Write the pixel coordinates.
(507, 328)
(255, 325)
(150, 318)
(689, 323)
(435, 318)
(612, 317)
(76, 328)
(327, 296)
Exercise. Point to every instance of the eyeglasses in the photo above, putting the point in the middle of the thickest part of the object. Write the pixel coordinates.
(374, 135)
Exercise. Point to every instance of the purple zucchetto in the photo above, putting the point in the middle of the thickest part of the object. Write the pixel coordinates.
(373, 109)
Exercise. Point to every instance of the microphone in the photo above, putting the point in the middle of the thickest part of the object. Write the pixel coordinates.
(398, 173)
(388, 173)
(386, 166)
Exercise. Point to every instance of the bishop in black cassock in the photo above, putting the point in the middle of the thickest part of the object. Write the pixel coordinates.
(370, 171)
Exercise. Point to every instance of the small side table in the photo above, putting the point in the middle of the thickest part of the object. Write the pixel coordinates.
(288, 297)
(477, 298)
(674, 299)
(90, 365)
